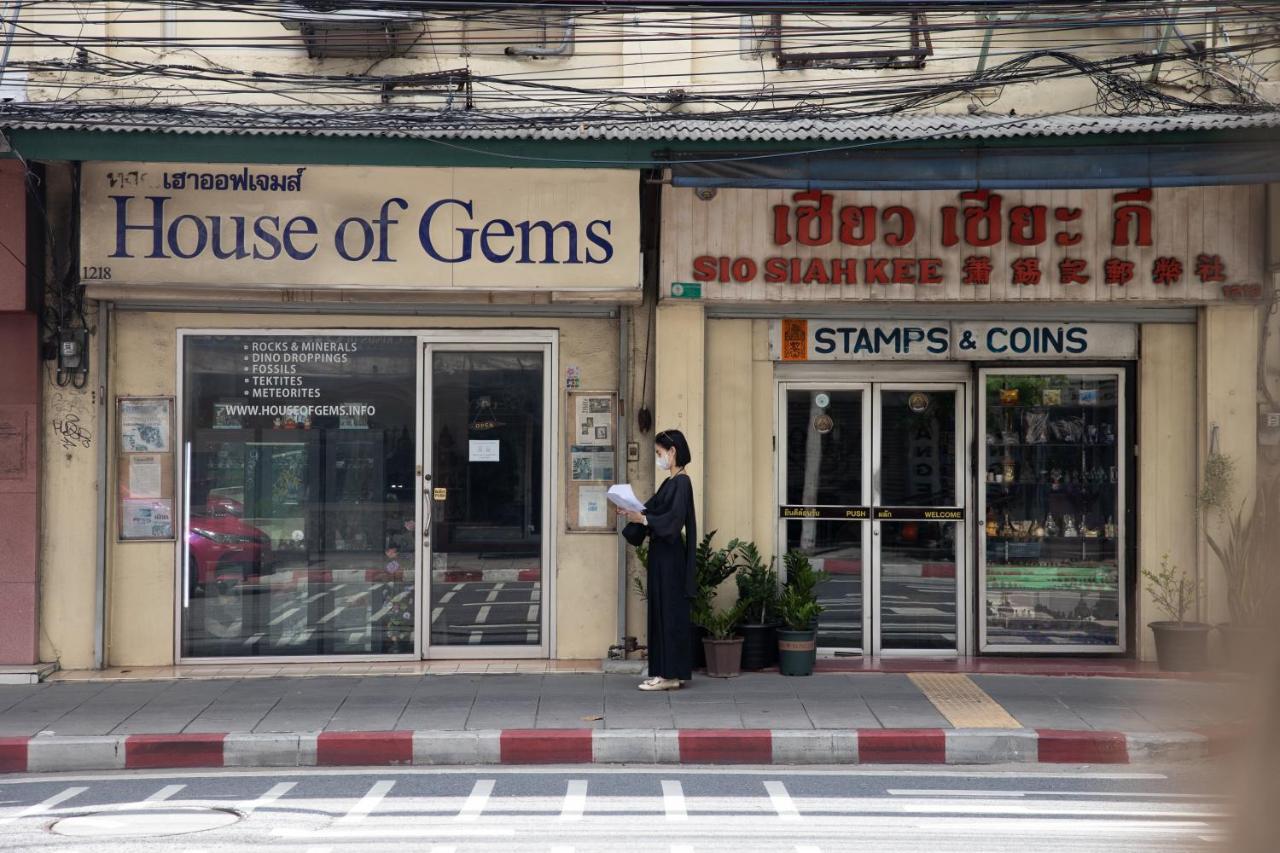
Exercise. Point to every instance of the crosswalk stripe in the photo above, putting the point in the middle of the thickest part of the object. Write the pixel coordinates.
(575, 800)
(681, 848)
(781, 800)
(164, 793)
(673, 800)
(476, 800)
(439, 848)
(273, 794)
(366, 804)
(807, 848)
(43, 806)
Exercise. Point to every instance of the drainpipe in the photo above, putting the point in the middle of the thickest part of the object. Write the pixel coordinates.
(106, 317)
(620, 464)
(564, 48)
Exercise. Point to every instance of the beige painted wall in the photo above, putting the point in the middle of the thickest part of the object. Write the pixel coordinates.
(141, 576)
(1228, 399)
(1167, 471)
(680, 386)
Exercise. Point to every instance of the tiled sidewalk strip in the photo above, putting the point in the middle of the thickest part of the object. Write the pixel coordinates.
(609, 746)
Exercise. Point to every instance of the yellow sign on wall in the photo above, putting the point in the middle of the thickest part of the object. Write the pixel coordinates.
(360, 227)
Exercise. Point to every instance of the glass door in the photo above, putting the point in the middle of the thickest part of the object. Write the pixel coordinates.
(825, 490)
(1054, 510)
(486, 514)
(918, 518)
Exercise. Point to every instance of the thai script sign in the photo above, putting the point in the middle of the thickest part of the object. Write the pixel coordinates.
(925, 340)
(357, 227)
(1192, 244)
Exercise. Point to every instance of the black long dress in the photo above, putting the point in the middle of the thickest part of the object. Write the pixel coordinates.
(672, 579)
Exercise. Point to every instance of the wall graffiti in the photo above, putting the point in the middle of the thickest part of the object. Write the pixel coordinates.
(71, 433)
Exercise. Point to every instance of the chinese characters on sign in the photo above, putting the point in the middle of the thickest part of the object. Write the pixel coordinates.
(1194, 244)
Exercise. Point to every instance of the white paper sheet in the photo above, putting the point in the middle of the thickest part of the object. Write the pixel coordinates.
(624, 497)
(144, 476)
(592, 509)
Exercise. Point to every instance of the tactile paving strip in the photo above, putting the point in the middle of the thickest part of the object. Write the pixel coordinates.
(963, 703)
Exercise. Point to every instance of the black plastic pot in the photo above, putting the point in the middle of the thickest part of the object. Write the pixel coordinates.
(1182, 646)
(759, 645)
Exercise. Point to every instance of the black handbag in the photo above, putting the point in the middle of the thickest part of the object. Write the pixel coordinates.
(635, 532)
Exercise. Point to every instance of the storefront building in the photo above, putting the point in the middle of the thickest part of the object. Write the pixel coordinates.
(351, 412)
(980, 411)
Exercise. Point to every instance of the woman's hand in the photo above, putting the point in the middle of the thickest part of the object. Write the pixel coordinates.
(637, 517)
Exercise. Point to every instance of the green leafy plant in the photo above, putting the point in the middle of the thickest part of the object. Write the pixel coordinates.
(798, 610)
(757, 585)
(713, 567)
(801, 575)
(1247, 553)
(1217, 483)
(638, 578)
(1171, 589)
(721, 625)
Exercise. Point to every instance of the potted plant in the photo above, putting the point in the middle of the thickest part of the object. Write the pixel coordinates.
(799, 608)
(1181, 646)
(723, 647)
(758, 595)
(713, 566)
(1247, 553)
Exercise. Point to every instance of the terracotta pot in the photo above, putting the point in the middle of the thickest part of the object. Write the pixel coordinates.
(759, 645)
(1182, 646)
(724, 657)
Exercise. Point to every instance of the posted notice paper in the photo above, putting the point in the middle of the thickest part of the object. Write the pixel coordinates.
(624, 497)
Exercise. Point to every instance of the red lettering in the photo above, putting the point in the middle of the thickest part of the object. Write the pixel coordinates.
(794, 278)
(1134, 216)
(816, 273)
(857, 226)
(775, 270)
(930, 271)
(877, 271)
(704, 268)
(906, 225)
(904, 271)
(723, 274)
(743, 270)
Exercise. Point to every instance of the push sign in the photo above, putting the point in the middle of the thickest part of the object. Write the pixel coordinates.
(924, 340)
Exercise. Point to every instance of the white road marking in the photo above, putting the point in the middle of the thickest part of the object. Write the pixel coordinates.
(273, 794)
(781, 800)
(325, 618)
(164, 793)
(482, 614)
(975, 792)
(444, 599)
(435, 614)
(43, 806)
(439, 848)
(575, 800)
(561, 849)
(476, 800)
(319, 850)
(365, 804)
(673, 800)
(532, 615)
(475, 638)
(255, 638)
(493, 594)
(681, 848)
(807, 848)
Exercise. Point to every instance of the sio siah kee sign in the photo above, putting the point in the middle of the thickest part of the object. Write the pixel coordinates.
(1192, 244)
(359, 227)
(925, 340)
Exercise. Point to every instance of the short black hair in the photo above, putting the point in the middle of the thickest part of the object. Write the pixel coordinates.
(670, 438)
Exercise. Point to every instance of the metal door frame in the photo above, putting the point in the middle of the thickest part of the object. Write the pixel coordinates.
(963, 539)
(780, 470)
(873, 379)
(547, 342)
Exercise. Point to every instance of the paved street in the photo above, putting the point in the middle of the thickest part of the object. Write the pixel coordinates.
(581, 700)
(673, 810)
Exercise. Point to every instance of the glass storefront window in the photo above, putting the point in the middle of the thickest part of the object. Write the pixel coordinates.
(300, 469)
(1053, 470)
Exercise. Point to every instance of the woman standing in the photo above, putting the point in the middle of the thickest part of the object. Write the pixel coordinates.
(672, 581)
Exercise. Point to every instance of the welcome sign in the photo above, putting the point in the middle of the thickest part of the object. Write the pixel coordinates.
(925, 340)
(346, 226)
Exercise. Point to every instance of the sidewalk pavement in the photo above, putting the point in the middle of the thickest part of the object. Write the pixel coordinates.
(832, 718)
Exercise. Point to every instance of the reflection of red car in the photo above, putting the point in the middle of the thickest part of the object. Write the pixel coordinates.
(223, 548)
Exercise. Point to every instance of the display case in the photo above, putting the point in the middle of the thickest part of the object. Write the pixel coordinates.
(1053, 509)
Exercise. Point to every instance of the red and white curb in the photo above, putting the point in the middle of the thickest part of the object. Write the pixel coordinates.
(46, 753)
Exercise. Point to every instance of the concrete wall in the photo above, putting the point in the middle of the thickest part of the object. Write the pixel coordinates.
(19, 430)
(1168, 395)
(141, 576)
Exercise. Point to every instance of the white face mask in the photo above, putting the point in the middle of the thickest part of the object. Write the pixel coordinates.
(664, 462)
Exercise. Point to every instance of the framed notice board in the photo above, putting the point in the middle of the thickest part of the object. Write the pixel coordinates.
(144, 469)
(591, 457)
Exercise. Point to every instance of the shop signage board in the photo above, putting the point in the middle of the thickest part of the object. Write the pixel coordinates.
(942, 340)
(1185, 245)
(359, 227)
